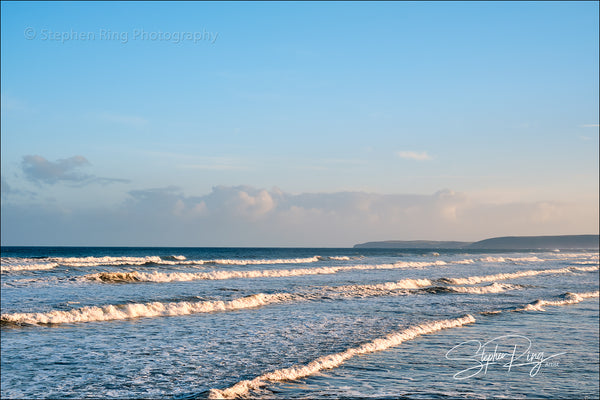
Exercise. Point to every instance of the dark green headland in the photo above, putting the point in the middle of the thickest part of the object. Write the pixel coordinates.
(499, 243)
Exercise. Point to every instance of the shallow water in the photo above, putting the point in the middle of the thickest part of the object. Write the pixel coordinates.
(191, 323)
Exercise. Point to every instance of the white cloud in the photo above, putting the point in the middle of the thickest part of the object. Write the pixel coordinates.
(589, 126)
(239, 202)
(414, 155)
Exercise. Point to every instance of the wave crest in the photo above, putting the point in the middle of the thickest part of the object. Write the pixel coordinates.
(568, 298)
(26, 266)
(137, 310)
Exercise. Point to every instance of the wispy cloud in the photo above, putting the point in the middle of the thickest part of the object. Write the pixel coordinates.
(5, 188)
(39, 170)
(123, 119)
(589, 126)
(414, 155)
(213, 167)
(9, 103)
(214, 164)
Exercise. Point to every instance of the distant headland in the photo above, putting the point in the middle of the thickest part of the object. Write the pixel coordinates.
(498, 243)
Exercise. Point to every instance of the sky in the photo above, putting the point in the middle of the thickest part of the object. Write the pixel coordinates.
(297, 123)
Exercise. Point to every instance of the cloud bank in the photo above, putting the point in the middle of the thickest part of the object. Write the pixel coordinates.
(248, 216)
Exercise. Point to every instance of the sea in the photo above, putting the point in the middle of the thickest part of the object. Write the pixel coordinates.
(298, 323)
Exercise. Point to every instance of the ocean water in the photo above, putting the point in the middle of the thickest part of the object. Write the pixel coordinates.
(189, 323)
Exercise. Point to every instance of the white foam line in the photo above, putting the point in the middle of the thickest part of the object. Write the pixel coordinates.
(402, 284)
(511, 259)
(97, 261)
(4, 268)
(390, 288)
(567, 256)
(155, 309)
(493, 288)
(466, 261)
(569, 298)
(513, 275)
(155, 276)
(162, 277)
(335, 360)
(268, 261)
(10, 264)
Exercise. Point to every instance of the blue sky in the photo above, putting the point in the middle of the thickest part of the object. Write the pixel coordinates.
(488, 111)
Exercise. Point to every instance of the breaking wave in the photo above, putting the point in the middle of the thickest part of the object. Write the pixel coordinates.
(175, 258)
(492, 288)
(136, 276)
(335, 360)
(157, 309)
(161, 277)
(336, 258)
(18, 264)
(154, 309)
(423, 285)
(263, 262)
(9, 264)
(472, 280)
(510, 259)
(567, 298)
(567, 256)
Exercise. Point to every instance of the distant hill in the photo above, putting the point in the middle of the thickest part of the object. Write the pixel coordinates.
(499, 243)
(412, 244)
(539, 242)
